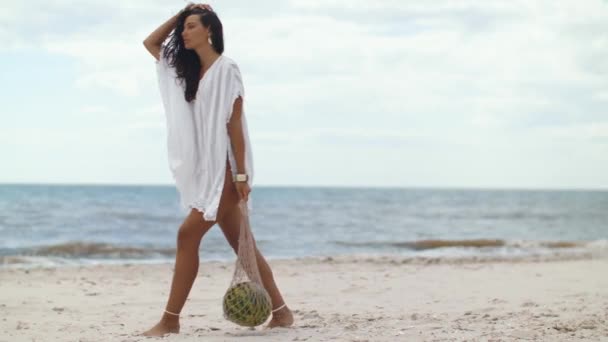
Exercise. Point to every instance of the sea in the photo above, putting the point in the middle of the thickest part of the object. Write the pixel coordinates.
(56, 225)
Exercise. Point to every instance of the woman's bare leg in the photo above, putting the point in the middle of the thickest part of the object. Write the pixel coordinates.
(230, 225)
(189, 238)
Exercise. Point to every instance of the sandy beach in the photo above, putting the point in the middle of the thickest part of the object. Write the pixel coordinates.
(334, 299)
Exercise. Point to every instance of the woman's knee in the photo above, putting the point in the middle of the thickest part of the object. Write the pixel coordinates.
(187, 237)
(191, 232)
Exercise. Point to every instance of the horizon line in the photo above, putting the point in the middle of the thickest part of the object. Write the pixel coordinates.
(422, 187)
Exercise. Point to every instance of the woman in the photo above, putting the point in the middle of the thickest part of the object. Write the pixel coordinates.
(208, 146)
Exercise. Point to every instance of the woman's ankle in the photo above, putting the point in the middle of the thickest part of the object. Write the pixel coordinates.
(169, 319)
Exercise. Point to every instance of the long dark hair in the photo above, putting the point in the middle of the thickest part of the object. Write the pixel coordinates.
(186, 62)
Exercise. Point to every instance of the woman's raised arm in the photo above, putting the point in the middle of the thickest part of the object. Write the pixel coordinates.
(154, 41)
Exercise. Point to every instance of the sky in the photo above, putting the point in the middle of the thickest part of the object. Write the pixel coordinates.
(465, 94)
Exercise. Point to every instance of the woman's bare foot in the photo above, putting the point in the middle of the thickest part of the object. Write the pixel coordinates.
(282, 318)
(162, 328)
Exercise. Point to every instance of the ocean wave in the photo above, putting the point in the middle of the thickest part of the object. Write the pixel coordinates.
(86, 249)
(137, 216)
(79, 252)
(421, 245)
(509, 216)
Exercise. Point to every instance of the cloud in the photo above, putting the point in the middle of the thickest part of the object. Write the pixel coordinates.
(450, 52)
(342, 75)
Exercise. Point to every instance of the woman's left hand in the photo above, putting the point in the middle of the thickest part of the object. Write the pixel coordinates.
(243, 189)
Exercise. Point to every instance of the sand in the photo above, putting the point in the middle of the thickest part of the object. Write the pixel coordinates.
(334, 299)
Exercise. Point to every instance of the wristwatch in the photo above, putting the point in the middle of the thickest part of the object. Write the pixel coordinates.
(240, 177)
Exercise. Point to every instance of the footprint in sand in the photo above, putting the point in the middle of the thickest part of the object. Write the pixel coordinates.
(310, 315)
(498, 301)
(529, 304)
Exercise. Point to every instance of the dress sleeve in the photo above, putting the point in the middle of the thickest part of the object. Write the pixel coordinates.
(234, 88)
(166, 77)
(180, 127)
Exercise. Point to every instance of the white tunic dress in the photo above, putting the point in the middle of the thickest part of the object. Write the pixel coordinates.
(198, 143)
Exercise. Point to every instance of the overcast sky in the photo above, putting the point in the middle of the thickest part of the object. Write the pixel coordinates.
(508, 94)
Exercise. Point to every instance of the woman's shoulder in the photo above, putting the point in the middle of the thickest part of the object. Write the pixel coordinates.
(229, 63)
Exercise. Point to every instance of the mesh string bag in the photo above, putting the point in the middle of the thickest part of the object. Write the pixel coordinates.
(246, 302)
